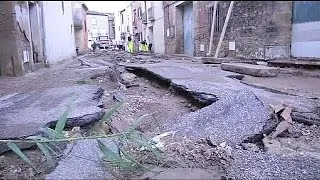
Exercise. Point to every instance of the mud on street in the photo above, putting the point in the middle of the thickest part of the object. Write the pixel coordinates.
(145, 93)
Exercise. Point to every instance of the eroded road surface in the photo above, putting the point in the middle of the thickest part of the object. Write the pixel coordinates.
(218, 123)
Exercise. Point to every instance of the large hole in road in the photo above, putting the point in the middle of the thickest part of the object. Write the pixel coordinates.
(199, 100)
(156, 96)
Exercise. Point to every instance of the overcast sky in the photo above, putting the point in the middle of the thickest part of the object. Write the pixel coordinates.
(105, 6)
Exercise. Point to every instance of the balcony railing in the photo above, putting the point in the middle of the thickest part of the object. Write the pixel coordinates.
(144, 18)
(151, 14)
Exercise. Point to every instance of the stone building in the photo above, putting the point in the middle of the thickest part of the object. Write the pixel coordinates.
(80, 26)
(30, 37)
(21, 37)
(256, 29)
(138, 23)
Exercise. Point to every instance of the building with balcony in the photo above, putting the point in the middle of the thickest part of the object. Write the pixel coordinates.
(138, 23)
(123, 23)
(111, 25)
(154, 21)
(80, 26)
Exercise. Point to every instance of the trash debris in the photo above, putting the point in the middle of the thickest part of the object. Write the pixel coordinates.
(157, 139)
(224, 144)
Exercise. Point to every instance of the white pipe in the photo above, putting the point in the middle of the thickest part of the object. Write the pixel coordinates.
(224, 29)
(212, 26)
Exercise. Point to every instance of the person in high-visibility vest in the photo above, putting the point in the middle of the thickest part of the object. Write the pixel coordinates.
(130, 45)
(144, 46)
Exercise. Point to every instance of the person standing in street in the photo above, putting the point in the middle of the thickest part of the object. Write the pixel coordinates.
(122, 42)
(130, 45)
(149, 43)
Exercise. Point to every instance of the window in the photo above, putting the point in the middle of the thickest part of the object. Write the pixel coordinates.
(139, 13)
(139, 35)
(218, 21)
(134, 16)
(93, 21)
(172, 31)
(62, 7)
(121, 18)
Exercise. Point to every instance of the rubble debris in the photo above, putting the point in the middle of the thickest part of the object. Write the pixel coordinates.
(97, 75)
(282, 126)
(113, 74)
(309, 118)
(119, 96)
(239, 77)
(250, 147)
(211, 141)
(128, 78)
(285, 119)
(157, 139)
(84, 63)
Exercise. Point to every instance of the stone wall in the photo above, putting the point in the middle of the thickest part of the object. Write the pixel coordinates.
(260, 29)
(8, 50)
(169, 27)
(15, 34)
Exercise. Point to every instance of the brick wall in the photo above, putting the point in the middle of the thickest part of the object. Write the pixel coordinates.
(260, 29)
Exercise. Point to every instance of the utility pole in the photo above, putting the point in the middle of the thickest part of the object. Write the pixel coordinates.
(224, 29)
(212, 26)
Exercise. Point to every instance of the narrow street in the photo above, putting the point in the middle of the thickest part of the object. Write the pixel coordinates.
(218, 121)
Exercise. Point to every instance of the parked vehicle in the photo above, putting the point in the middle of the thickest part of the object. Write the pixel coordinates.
(104, 42)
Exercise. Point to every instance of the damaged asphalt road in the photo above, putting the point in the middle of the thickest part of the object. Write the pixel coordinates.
(231, 113)
(23, 114)
(238, 114)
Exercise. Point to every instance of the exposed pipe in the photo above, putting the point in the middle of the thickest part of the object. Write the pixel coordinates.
(212, 26)
(224, 29)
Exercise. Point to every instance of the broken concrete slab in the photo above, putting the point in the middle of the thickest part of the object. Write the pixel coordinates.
(195, 79)
(212, 60)
(251, 69)
(296, 63)
(22, 114)
(231, 119)
(83, 161)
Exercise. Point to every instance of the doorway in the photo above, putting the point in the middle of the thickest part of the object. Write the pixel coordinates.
(188, 36)
(305, 29)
